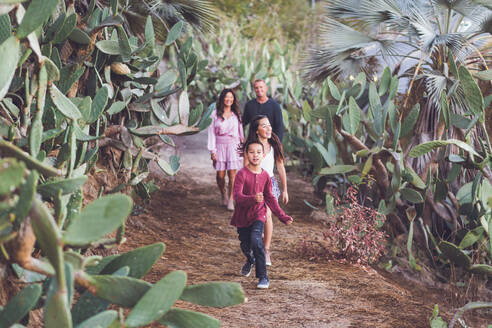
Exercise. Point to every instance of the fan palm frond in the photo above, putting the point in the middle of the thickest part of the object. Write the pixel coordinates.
(369, 11)
(464, 7)
(322, 63)
(485, 26)
(340, 37)
(485, 3)
(344, 49)
(435, 84)
(429, 26)
(343, 9)
(199, 14)
(430, 38)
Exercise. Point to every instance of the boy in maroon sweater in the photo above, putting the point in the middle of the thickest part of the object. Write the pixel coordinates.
(252, 189)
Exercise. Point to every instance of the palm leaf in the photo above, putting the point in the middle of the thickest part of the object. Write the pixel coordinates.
(322, 63)
(199, 14)
(435, 84)
(485, 25)
(464, 7)
(342, 48)
(340, 37)
(368, 12)
(485, 3)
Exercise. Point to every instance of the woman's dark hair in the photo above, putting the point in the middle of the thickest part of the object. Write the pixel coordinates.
(234, 107)
(274, 141)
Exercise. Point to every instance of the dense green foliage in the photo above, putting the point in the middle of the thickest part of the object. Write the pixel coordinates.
(74, 82)
(265, 21)
(415, 138)
(428, 146)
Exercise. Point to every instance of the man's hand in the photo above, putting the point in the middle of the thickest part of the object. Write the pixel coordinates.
(259, 197)
(289, 221)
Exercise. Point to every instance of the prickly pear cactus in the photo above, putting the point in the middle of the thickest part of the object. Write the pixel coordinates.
(74, 81)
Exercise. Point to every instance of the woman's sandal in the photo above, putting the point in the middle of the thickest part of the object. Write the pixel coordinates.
(230, 205)
(268, 260)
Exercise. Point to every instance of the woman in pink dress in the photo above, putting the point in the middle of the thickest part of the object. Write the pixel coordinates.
(225, 134)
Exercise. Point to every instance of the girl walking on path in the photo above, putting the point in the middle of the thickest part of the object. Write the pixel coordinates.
(261, 130)
(225, 135)
(252, 193)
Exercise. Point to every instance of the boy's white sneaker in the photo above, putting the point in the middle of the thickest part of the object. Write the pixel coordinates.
(263, 283)
(246, 269)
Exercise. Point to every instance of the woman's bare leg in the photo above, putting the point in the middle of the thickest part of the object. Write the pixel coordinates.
(220, 177)
(232, 176)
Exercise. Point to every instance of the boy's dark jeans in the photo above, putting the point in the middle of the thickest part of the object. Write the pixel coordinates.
(252, 246)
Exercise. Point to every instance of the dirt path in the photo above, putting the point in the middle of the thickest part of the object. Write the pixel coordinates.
(185, 215)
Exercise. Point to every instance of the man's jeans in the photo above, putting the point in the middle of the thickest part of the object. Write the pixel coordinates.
(252, 246)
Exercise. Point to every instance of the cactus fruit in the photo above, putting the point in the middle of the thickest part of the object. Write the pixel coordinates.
(120, 68)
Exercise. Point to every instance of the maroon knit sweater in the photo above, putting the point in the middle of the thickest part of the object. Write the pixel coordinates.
(247, 210)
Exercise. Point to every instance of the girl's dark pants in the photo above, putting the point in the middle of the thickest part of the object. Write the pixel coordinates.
(252, 246)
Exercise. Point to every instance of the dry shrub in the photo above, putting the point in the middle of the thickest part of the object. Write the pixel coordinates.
(354, 233)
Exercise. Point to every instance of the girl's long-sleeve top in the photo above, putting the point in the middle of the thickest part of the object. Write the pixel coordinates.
(224, 131)
(247, 210)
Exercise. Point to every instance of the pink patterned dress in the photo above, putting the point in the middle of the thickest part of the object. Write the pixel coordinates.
(224, 137)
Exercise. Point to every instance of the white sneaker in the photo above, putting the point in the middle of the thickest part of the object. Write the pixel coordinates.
(263, 283)
(230, 205)
(268, 260)
(224, 201)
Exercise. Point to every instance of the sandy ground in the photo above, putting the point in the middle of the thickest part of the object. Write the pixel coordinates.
(185, 214)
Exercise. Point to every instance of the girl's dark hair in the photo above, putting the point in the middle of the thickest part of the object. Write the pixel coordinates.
(234, 107)
(274, 141)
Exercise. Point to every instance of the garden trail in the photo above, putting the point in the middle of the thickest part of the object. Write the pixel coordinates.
(186, 216)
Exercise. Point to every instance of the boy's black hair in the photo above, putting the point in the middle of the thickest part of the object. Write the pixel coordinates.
(243, 148)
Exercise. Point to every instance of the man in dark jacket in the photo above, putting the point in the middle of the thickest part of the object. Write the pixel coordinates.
(262, 105)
